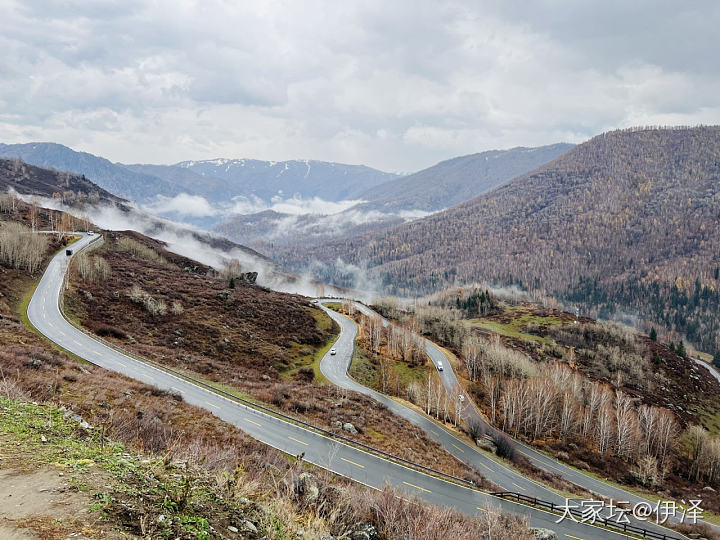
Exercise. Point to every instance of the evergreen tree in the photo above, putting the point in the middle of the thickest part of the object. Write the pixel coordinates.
(681, 349)
(653, 334)
(232, 282)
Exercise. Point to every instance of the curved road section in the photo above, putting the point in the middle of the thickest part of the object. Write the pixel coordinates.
(470, 414)
(363, 467)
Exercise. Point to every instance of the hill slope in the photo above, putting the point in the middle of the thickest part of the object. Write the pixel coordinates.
(459, 179)
(16, 175)
(109, 176)
(630, 218)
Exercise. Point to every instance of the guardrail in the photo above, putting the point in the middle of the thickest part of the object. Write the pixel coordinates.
(263, 408)
(624, 527)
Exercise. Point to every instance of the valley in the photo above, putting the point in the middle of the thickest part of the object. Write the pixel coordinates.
(206, 334)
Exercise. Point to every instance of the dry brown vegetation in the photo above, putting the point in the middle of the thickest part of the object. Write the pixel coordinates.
(262, 343)
(237, 476)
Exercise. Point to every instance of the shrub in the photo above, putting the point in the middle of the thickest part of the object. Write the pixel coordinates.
(505, 446)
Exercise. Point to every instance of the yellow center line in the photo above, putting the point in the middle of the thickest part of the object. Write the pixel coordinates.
(253, 422)
(296, 440)
(435, 432)
(212, 404)
(456, 446)
(76, 342)
(488, 468)
(353, 463)
(119, 362)
(51, 325)
(417, 487)
(519, 487)
(575, 537)
(176, 389)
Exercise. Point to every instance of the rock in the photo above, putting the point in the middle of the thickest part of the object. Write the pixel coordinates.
(363, 531)
(244, 500)
(338, 424)
(347, 426)
(300, 533)
(250, 526)
(265, 377)
(42, 438)
(160, 518)
(563, 455)
(307, 488)
(486, 444)
(708, 488)
(545, 534)
(233, 529)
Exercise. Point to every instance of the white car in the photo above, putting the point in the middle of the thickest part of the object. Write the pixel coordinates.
(333, 351)
(439, 366)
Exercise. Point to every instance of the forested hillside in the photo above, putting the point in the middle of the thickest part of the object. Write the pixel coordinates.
(628, 220)
(458, 180)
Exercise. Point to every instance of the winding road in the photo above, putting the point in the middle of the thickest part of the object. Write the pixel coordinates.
(504, 477)
(364, 467)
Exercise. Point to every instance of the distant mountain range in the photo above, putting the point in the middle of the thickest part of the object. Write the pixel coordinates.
(391, 203)
(627, 220)
(246, 199)
(109, 176)
(217, 180)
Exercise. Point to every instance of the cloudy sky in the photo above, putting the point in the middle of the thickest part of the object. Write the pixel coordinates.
(396, 85)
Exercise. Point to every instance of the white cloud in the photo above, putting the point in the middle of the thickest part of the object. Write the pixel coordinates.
(183, 205)
(398, 85)
(196, 206)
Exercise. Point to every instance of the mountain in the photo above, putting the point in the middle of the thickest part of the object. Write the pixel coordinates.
(110, 176)
(303, 178)
(627, 220)
(457, 180)
(393, 202)
(18, 176)
(270, 231)
(186, 181)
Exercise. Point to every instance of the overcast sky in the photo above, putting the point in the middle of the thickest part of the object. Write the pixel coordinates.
(396, 85)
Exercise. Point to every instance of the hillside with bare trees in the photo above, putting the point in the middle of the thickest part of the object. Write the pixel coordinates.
(629, 220)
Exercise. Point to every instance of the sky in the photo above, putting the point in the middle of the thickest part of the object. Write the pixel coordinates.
(394, 85)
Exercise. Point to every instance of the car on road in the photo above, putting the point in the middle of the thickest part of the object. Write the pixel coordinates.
(333, 351)
(439, 366)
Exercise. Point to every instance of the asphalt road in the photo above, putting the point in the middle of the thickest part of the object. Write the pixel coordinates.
(502, 476)
(363, 467)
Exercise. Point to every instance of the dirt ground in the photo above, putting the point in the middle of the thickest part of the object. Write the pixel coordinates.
(45, 504)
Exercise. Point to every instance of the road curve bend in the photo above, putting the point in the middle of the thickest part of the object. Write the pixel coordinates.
(363, 467)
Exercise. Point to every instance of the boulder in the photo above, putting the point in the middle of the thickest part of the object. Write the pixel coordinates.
(545, 534)
(363, 531)
(486, 444)
(307, 488)
(347, 426)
